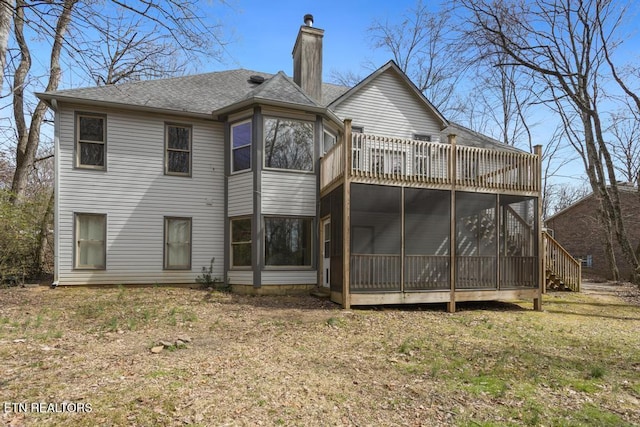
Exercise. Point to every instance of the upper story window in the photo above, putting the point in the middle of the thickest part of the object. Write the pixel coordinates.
(329, 140)
(178, 150)
(91, 141)
(357, 129)
(288, 144)
(241, 146)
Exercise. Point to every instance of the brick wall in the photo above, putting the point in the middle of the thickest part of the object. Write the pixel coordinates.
(577, 229)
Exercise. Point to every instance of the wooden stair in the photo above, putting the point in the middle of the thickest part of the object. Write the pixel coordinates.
(562, 271)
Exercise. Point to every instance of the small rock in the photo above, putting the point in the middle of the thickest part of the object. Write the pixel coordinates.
(157, 349)
(165, 343)
(179, 343)
(19, 340)
(184, 338)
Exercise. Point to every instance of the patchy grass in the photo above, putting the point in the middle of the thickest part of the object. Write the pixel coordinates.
(303, 361)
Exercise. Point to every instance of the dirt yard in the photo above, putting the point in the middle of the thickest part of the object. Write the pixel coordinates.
(84, 357)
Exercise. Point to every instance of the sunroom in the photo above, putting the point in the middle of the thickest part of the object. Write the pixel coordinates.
(407, 221)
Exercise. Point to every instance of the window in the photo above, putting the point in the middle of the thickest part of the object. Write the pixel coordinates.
(90, 234)
(328, 141)
(288, 241)
(422, 137)
(586, 261)
(178, 150)
(241, 146)
(357, 129)
(241, 242)
(177, 242)
(288, 144)
(91, 141)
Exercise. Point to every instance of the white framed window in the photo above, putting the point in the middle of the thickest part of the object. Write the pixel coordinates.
(90, 236)
(241, 242)
(177, 243)
(288, 241)
(241, 146)
(288, 144)
(329, 140)
(177, 150)
(91, 141)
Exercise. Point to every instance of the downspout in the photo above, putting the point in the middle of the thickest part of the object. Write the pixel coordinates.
(56, 188)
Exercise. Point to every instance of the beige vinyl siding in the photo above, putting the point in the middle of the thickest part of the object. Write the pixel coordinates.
(284, 277)
(387, 107)
(288, 193)
(240, 194)
(135, 195)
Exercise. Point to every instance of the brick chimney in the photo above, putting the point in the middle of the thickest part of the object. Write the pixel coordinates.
(307, 59)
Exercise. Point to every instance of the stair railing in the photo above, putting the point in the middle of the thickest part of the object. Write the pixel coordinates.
(561, 263)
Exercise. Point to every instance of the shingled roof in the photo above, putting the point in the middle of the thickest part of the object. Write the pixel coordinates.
(198, 94)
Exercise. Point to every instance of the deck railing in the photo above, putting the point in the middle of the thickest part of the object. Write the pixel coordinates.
(561, 264)
(405, 161)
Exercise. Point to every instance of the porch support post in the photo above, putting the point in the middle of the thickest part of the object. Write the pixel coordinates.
(346, 217)
(537, 302)
(451, 306)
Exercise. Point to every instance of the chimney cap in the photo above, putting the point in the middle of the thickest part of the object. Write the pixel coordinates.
(308, 20)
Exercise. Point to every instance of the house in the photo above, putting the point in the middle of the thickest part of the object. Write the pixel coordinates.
(579, 231)
(290, 184)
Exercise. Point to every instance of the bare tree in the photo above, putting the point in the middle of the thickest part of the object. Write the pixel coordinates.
(625, 144)
(561, 43)
(420, 47)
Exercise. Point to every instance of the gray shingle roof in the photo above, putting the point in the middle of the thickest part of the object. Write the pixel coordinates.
(471, 138)
(200, 93)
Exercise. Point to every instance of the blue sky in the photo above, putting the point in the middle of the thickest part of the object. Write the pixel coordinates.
(265, 32)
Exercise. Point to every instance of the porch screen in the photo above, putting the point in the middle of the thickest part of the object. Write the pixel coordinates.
(476, 241)
(518, 242)
(376, 233)
(426, 238)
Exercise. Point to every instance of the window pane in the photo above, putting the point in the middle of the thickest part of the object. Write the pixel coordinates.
(288, 241)
(241, 135)
(242, 158)
(91, 154)
(241, 230)
(242, 255)
(178, 137)
(329, 141)
(178, 242)
(90, 235)
(288, 144)
(178, 161)
(91, 128)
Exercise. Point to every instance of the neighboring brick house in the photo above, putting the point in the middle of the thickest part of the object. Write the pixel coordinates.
(578, 230)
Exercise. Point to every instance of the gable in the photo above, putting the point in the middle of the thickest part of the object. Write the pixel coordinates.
(387, 105)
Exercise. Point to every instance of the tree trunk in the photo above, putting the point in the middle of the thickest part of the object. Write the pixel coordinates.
(6, 15)
(45, 225)
(29, 140)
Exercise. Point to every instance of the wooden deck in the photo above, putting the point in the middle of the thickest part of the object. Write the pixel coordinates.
(508, 267)
(374, 159)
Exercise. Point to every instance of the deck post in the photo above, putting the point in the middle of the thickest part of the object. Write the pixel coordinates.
(451, 305)
(537, 302)
(346, 220)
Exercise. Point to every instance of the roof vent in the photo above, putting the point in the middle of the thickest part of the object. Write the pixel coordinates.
(256, 79)
(308, 20)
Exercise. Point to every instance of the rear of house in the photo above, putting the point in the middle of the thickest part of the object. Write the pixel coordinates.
(291, 184)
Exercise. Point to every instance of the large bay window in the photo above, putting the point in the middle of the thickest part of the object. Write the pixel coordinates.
(91, 141)
(288, 241)
(90, 236)
(288, 144)
(177, 242)
(241, 146)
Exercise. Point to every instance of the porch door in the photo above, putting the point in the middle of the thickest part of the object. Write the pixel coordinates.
(326, 252)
